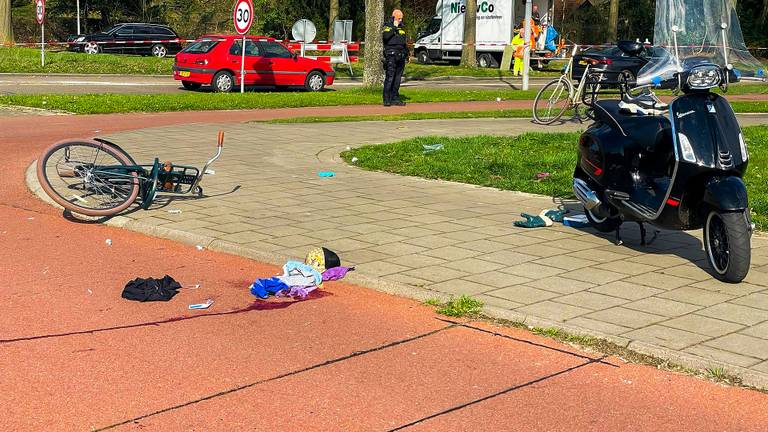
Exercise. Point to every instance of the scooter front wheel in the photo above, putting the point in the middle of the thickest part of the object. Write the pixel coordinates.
(727, 241)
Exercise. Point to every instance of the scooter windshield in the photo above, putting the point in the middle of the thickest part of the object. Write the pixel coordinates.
(691, 32)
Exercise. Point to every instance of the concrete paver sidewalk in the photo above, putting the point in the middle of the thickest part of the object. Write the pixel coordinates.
(267, 201)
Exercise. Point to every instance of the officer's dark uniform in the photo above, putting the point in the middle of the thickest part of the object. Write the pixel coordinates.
(395, 54)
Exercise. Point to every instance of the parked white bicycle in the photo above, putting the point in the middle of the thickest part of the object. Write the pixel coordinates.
(558, 96)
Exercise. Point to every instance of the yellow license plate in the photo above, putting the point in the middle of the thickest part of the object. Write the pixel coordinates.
(583, 63)
(184, 74)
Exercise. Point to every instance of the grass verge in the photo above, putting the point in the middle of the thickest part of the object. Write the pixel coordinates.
(124, 103)
(410, 116)
(511, 163)
(27, 60)
(459, 307)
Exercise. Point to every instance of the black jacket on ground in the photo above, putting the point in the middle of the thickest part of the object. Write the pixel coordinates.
(394, 37)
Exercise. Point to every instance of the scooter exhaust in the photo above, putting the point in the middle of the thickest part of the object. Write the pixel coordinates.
(585, 195)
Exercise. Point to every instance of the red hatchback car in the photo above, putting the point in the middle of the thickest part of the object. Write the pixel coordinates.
(215, 60)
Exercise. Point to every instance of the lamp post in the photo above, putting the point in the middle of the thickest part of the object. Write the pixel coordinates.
(528, 47)
(78, 17)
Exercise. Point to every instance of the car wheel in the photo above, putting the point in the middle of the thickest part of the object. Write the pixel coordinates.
(626, 77)
(189, 85)
(423, 57)
(223, 82)
(91, 48)
(159, 50)
(315, 81)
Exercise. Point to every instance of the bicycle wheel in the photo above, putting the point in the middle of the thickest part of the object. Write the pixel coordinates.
(552, 101)
(88, 177)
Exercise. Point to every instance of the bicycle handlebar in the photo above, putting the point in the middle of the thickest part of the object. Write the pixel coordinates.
(221, 138)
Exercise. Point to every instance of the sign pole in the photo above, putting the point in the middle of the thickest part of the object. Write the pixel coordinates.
(242, 69)
(78, 17)
(243, 18)
(42, 43)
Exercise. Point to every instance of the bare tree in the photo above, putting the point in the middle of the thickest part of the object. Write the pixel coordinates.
(469, 51)
(6, 28)
(373, 71)
(613, 21)
(333, 15)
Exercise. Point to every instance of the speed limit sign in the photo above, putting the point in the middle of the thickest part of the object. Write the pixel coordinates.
(40, 11)
(243, 16)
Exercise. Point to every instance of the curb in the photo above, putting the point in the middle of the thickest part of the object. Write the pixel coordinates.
(748, 377)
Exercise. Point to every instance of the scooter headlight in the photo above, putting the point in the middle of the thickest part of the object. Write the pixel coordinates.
(743, 144)
(80, 39)
(686, 147)
(704, 77)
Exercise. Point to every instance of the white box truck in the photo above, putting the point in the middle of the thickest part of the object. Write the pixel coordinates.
(443, 38)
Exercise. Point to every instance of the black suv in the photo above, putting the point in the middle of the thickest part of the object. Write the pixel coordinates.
(135, 38)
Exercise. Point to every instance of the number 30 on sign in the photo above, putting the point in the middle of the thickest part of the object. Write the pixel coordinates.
(243, 16)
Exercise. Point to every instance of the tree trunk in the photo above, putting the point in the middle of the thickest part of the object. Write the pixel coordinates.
(333, 15)
(373, 71)
(764, 13)
(613, 21)
(6, 28)
(469, 50)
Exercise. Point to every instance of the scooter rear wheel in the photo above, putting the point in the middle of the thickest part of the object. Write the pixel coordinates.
(727, 241)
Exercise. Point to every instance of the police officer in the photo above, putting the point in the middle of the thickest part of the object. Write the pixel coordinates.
(395, 54)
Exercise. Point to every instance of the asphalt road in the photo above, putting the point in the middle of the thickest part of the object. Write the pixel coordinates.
(132, 84)
(76, 356)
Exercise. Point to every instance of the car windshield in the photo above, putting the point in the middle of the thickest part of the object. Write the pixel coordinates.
(434, 26)
(696, 31)
(201, 47)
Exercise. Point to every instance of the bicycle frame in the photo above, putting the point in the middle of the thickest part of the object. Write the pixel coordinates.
(156, 178)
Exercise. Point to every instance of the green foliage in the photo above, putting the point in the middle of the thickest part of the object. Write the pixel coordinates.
(584, 22)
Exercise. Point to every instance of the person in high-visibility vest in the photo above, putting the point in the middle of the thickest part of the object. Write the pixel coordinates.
(519, 43)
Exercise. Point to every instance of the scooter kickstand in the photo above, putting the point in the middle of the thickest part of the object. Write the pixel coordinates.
(619, 241)
(642, 234)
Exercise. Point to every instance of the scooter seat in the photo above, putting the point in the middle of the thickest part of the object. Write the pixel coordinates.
(648, 131)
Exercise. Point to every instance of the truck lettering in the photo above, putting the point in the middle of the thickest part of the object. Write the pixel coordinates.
(484, 7)
(457, 7)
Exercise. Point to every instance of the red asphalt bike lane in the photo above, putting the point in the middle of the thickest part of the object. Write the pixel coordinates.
(75, 356)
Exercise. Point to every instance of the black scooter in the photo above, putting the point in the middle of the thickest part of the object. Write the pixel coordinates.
(677, 167)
